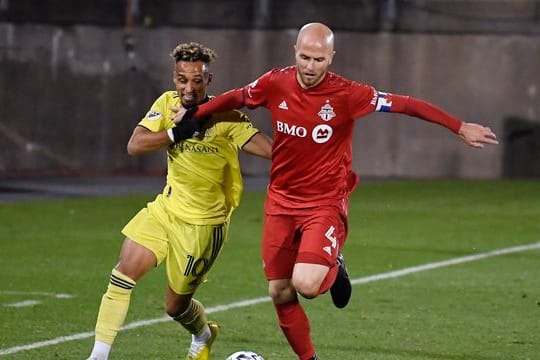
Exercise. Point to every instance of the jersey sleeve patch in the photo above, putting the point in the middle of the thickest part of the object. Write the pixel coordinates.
(384, 102)
(153, 115)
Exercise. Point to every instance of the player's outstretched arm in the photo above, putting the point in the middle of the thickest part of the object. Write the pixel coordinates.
(230, 100)
(473, 134)
(477, 135)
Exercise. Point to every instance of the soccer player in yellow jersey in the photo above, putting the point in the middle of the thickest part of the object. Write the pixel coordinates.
(187, 224)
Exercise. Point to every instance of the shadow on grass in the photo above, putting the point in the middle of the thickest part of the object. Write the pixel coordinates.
(356, 352)
(364, 351)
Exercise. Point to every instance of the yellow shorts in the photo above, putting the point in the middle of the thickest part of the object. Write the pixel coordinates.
(189, 250)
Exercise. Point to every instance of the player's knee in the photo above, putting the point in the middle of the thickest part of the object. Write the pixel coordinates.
(173, 311)
(306, 288)
(176, 305)
(275, 294)
(281, 294)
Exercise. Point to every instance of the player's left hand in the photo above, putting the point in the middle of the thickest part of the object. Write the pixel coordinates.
(477, 135)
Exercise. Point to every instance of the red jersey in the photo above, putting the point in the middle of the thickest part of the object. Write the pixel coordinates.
(313, 129)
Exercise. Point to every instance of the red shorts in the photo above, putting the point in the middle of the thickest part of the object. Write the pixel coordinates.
(314, 236)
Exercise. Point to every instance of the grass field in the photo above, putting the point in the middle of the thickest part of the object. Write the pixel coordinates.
(481, 309)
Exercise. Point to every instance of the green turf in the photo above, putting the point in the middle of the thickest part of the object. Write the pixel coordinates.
(486, 309)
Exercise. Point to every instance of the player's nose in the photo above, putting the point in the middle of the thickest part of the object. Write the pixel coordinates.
(188, 88)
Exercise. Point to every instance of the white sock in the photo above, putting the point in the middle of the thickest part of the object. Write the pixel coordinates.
(100, 351)
(203, 337)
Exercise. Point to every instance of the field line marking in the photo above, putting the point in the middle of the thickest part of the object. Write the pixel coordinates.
(245, 303)
(439, 264)
(24, 303)
(39, 293)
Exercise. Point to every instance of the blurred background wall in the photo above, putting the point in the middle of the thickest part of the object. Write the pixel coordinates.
(77, 76)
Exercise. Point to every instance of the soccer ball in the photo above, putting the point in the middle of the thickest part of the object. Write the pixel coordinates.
(245, 355)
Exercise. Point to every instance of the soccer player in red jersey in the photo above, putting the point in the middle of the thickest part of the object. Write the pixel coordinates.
(313, 113)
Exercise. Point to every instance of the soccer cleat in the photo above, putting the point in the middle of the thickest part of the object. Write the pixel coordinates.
(202, 352)
(341, 289)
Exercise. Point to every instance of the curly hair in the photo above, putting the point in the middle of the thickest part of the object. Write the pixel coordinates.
(193, 52)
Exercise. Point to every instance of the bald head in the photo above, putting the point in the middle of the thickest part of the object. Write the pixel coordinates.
(316, 35)
(314, 51)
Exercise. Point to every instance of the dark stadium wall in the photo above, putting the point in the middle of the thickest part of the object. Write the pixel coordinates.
(69, 96)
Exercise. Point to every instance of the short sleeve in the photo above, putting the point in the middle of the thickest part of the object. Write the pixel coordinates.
(157, 119)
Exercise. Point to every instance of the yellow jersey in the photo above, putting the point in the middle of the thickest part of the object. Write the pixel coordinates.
(204, 183)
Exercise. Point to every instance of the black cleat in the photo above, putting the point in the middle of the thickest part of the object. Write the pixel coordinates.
(341, 289)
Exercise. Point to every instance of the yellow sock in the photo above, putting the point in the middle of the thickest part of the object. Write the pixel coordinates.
(114, 307)
(194, 318)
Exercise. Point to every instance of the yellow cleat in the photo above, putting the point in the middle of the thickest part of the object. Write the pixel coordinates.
(202, 352)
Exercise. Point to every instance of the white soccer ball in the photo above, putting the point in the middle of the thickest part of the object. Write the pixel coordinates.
(245, 355)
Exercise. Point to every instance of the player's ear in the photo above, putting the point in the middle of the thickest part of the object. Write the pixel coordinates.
(210, 76)
(331, 57)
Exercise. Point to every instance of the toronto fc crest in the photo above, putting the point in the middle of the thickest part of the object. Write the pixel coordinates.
(327, 112)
